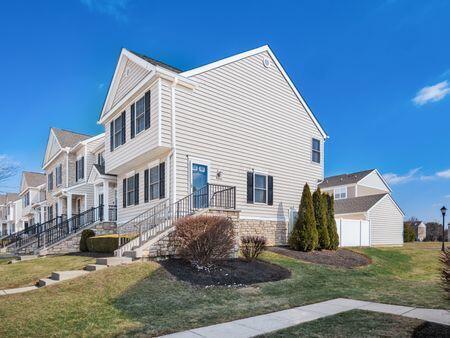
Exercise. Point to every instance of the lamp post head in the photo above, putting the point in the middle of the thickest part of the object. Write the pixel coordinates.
(443, 210)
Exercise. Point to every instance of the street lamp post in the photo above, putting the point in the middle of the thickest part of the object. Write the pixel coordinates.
(443, 210)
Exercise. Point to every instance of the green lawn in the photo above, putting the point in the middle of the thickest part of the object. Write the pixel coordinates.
(29, 272)
(348, 324)
(142, 298)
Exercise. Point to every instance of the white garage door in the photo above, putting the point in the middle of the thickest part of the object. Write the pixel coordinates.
(353, 232)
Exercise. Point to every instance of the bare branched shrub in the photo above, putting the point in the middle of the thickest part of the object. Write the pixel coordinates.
(204, 239)
(445, 274)
(252, 246)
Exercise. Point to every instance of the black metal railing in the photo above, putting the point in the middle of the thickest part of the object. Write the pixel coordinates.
(163, 215)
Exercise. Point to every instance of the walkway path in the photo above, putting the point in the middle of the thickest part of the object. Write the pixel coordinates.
(275, 321)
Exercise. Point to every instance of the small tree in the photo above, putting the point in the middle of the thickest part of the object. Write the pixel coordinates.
(331, 223)
(320, 208)
(304, 236)
(409, 234)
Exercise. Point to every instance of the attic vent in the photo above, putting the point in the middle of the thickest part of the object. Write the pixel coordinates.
(266, 62)
(127, 72)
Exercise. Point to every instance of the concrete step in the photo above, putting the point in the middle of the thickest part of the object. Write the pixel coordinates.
(132, 254)
(46, 282)
(95, 267)
(112, 261)
(64, 275)
(27, 257)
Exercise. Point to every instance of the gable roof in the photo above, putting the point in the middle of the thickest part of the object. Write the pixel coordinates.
(344, 179)
(156, 62)
(68, 138)
(249, 53)
(356, 204)
(32, 179)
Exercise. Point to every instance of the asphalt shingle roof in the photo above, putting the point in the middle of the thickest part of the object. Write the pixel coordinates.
(157, 63)
(344, 179)
(68, 138)
(33, 179)
(356, 204)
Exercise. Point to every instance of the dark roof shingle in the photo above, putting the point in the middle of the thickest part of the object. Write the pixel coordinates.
(344, 179)
(33, 179)
(68, 138)
(156, 62)
(356, 204)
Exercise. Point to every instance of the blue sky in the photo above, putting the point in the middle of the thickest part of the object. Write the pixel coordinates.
(375, 73)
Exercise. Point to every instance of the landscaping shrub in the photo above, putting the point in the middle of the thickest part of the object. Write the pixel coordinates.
(204, 239)
(320, 213)
(331, 223)
(445, 274)
(85, 234)
(409, 235)
(252, 246)
(304, 236)
(106, 243)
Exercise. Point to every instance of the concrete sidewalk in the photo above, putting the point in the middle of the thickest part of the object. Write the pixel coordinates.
(254, 326)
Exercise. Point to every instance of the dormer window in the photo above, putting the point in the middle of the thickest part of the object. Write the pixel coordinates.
(340, 193)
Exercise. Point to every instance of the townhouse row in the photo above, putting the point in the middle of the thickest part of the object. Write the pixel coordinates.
(238, 122)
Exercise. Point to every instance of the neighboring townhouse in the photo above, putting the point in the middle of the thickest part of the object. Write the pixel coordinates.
(69, 158)
(31, 187)
(8, 213)
(236, 122)
(366, 196)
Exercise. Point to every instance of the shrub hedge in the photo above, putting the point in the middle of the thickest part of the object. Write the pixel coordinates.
(85, 234)
(106, 243)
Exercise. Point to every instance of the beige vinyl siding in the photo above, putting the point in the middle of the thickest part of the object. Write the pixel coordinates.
(243, 116)
(86, 190)
(134, 149)
(166, 113)
(365, 191)
(61, 159)
(374, 181)
(52, 147)
(386, 223)
(125, 214)
(128, 82)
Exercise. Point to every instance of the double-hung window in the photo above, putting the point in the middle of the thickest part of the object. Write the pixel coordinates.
(118, 127)
(58, 174)
(340, 193)
(260, 188)
(50, 181)
(79, 168)
(26, 199)
(315, 156)
(131, 186)
(101, 159)
(154, 182)
(140, 115)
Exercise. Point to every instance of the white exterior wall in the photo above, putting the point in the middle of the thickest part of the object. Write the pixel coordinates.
(139, 148)
(372, 184)
(386, 223)
(243, 116)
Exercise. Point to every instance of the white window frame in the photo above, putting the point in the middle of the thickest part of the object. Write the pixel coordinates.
(155, 183)
(133, 178)
(313, 151)
(256, 173)
(338, 193)
(58, 173)
(101, 158)
(80, 169)
(136, 130)
(116, 145)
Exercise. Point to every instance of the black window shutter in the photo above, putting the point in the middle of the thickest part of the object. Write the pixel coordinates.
(270, 190)
(136, 189)
(147, 110)
(146, 185)
(111, 136)
(250, 187)
(132, 118)
(124, 192)
(123, 128)
(82, 167)
(162, 180)
(76, 171)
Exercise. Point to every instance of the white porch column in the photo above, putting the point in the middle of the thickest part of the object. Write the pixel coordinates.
(106, 200)
(59, 203)
(69, 205)
(42, 210)
(95, 196)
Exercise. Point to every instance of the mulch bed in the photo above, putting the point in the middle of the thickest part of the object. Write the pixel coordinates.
(231, 272)
(341, 258)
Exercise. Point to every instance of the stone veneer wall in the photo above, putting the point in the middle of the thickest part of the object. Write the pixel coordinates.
(72, 243)
(274, 231)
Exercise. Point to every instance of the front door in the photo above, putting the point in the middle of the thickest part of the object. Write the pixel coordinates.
(199, 185)
(100, 204)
